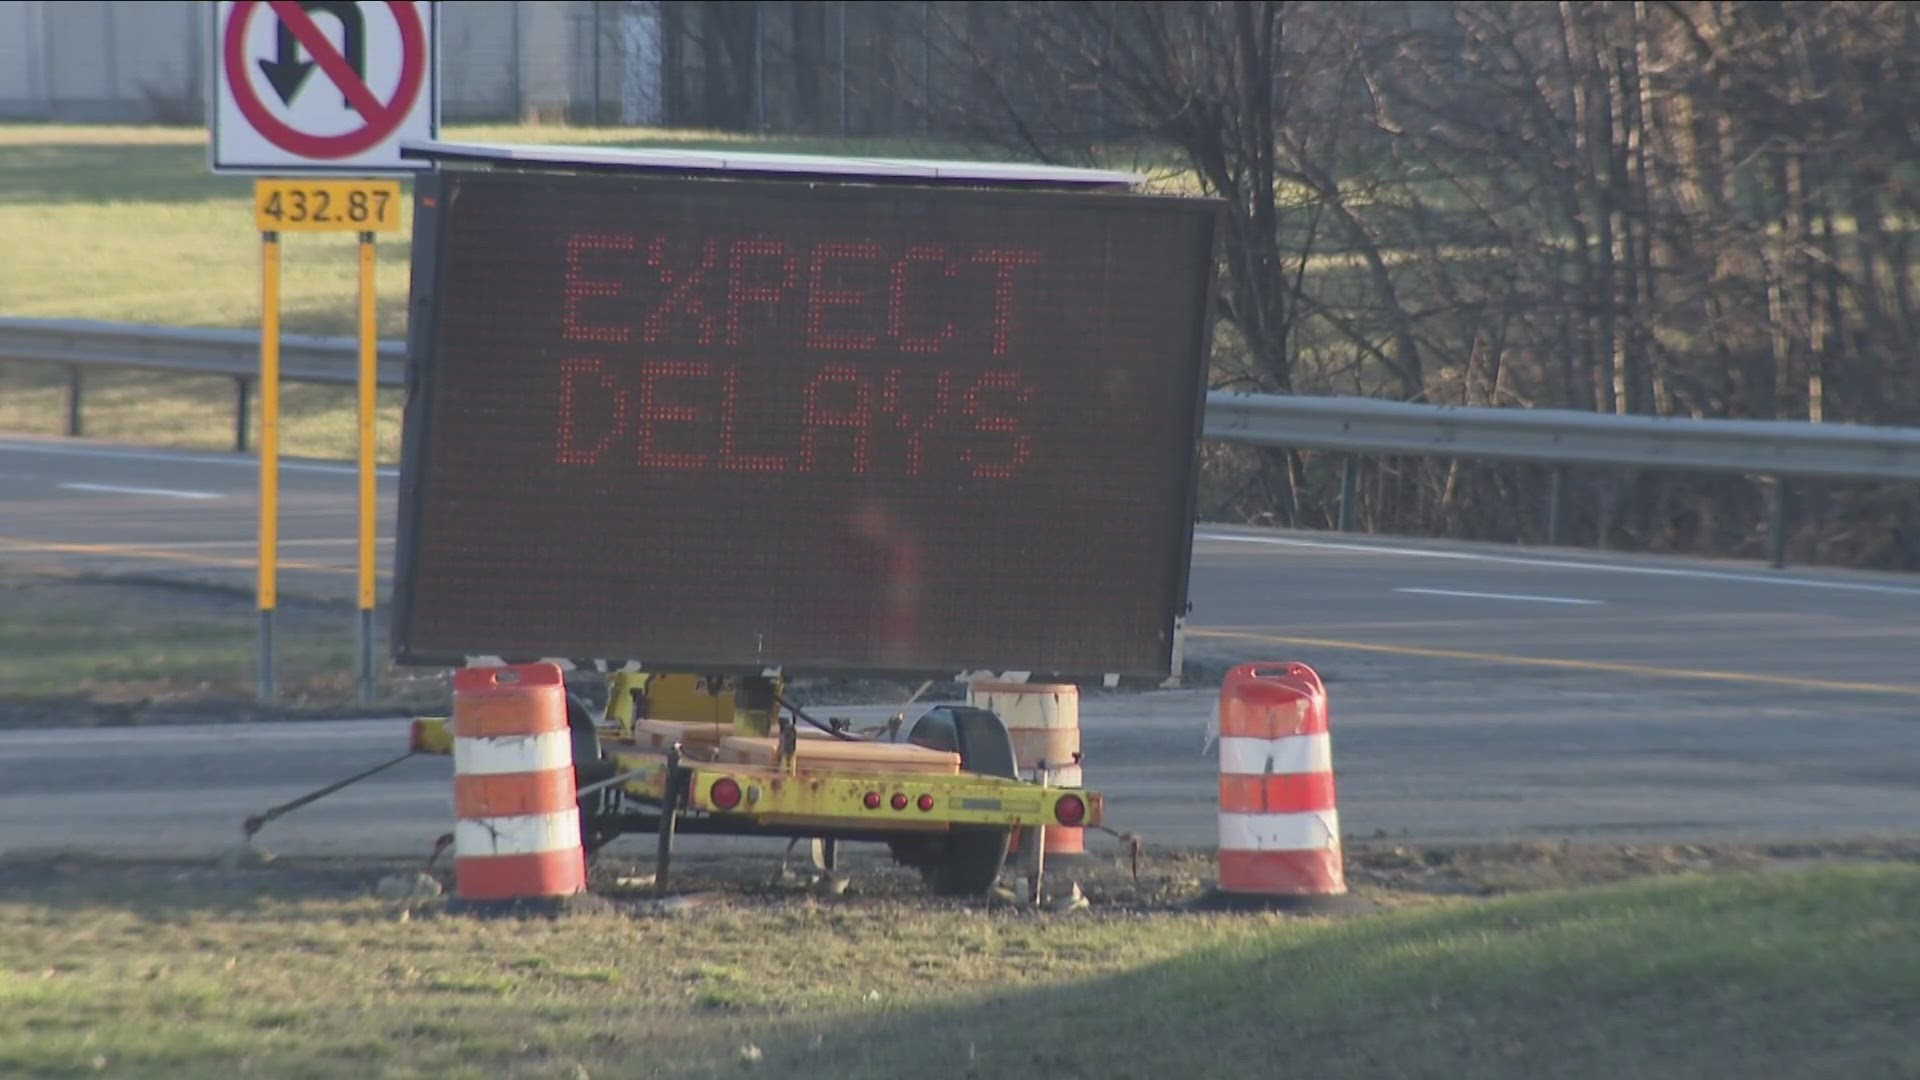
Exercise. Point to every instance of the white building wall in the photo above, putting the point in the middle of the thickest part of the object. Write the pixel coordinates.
(145, 61)
(157, 53)
(23, 91)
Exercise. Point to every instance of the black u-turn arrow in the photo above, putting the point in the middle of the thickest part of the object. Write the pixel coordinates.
(287, 73)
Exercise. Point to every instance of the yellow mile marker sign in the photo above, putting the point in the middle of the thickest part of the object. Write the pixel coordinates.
(320, 205)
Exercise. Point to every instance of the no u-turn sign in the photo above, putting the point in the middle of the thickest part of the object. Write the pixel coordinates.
(331, 86)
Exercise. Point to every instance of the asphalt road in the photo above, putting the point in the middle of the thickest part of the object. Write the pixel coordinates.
(1479, 691)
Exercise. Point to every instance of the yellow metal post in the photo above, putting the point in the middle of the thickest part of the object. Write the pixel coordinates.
(300, 204)
(269, 451)
(369, 402)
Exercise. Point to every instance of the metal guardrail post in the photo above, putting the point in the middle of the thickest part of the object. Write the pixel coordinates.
(263, 656)
(1349, 485)
(1777, 527)
(241, 391)
(76, 425)
(1555, 502)
(1610, 500)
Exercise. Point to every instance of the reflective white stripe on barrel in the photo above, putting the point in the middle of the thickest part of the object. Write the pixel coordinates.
(1273, 757)
(1279, 832)
(513, 753)
(527, 834)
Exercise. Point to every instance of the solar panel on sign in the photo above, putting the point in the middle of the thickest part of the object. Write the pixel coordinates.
(761, 162)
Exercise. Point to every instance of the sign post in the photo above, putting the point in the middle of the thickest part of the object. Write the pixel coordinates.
(304, 89)
(369, 402)
(363, 207)
(268, 588)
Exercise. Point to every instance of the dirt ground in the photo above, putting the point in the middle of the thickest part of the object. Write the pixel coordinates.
(1378, 875)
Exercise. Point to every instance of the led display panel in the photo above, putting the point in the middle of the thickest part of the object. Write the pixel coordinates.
(727, 424)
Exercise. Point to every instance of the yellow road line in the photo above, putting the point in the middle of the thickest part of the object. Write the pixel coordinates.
(208, 545)
(1609, 666)
(10, 544)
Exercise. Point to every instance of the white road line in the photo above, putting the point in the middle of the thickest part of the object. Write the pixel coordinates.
(128, 489)
(1500, 596)
(184, 458)
(1565, 564)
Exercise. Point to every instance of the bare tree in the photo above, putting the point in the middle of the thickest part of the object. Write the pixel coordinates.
(1668, 208)
(1675, 207)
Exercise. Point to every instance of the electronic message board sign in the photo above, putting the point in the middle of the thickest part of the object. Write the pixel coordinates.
(725, 424)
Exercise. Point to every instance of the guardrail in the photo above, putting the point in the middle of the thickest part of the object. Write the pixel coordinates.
(1353, 426)
(1560, 437)
(1566, 437)
(79, 344)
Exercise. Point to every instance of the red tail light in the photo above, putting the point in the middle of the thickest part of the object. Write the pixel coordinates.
(725, 793)
(872, 800)
(1071, 810)
(899, 800)
(926, 804)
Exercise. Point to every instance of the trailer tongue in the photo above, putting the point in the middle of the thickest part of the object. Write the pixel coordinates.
(699, 424)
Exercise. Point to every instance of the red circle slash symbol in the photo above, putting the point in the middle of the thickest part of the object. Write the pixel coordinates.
(377, 120)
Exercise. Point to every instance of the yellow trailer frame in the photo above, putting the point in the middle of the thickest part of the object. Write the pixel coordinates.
(829, 798)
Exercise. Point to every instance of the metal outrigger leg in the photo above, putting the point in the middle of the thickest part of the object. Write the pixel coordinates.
(678, 780)
(1038, 841)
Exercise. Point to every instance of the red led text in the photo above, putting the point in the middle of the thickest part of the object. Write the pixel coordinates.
(833, 296)
(692, 414)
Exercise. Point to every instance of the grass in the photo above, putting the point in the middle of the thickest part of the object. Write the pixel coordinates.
(140, 231)
(1808, 973)
(81, 649)
(1779, 977)
(128, 225)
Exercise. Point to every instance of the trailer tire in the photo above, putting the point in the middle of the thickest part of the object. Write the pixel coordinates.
(966, 861)
(590, 765)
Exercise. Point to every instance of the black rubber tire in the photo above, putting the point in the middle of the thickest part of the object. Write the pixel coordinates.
(967, 861)
(586, 737)
(590, 765)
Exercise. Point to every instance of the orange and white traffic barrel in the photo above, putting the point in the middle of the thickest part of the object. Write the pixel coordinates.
(1043, 720)
(516, 835)
(1279, 823)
